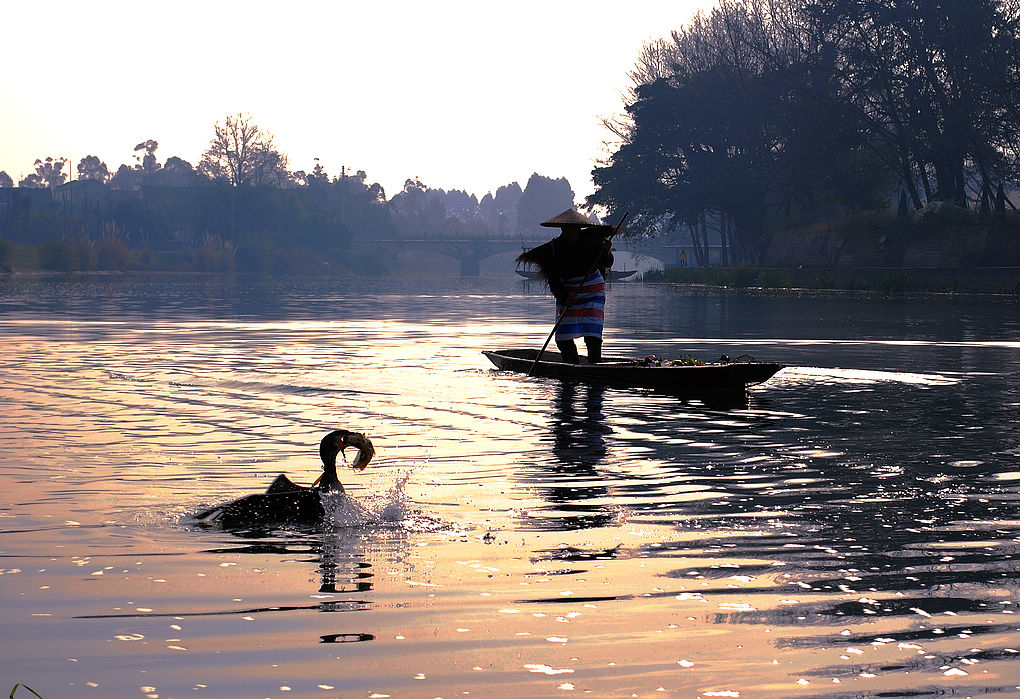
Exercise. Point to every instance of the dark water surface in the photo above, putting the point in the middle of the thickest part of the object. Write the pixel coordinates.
(852, 532)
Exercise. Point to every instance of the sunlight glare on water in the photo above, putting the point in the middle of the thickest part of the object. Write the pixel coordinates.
(852, 530)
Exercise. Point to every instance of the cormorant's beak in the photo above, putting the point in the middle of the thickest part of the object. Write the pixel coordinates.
(364, 446)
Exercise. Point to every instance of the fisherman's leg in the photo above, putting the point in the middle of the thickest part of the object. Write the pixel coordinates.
(594, 345)
(569, 351)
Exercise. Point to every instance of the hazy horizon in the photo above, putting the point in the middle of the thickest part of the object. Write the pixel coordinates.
(461, 96)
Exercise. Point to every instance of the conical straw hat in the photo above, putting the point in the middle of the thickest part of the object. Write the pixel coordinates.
(568, 218)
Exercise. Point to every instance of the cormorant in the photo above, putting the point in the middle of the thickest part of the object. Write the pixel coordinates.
(285, 502)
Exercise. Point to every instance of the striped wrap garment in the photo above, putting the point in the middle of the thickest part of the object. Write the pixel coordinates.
(586, 316)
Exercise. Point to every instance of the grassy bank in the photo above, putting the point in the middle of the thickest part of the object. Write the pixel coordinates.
(949, 251)
(213, 256)
(890, 281)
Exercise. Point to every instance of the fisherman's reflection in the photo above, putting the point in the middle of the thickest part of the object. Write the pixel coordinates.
(579, 445)
(579, 428)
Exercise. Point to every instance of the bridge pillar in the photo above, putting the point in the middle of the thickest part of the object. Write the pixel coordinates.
(469, 266)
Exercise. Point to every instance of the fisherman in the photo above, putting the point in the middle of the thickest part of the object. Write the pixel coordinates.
(575, 266)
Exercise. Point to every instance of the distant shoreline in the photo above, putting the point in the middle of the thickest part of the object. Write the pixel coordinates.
(949, 252)
(998, 281)
(989, 281)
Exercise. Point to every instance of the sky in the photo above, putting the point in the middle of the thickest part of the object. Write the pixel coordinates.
(460, 94)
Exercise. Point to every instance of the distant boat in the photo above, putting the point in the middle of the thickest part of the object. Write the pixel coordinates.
(614, 275)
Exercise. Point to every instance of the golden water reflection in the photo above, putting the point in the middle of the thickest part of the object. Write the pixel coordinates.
(851, 531)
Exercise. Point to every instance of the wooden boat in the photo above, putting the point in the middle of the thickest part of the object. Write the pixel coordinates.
(717, 379)
(614, 275)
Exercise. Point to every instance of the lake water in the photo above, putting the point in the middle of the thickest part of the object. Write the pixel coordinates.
(853, 531)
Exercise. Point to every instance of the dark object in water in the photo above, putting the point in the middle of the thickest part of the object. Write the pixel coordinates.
(346, 638)
(698, 380)
(286, 502)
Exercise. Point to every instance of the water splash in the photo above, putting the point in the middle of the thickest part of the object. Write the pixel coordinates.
(863, 376)
(342, 510)
(390, 509)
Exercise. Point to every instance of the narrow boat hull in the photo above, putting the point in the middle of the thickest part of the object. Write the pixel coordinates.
(706, 380)
(614, 275)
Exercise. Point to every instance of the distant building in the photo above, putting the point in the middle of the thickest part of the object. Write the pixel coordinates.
(16, 200)
(83, 196)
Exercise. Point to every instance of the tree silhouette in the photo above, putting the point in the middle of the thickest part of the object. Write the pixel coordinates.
(542, 197)
(764, 114)
(48, 173)
(176, 172)
(933, 82)
(147, 162)
(92, 168)
(241, 153)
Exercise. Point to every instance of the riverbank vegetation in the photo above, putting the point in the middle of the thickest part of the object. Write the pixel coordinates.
(861, 127)
(763, 116)
(241, 209)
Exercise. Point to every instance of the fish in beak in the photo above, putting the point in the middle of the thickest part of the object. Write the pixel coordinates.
(364, 446)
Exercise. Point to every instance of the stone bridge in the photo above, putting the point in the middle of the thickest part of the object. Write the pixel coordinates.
(471, 250)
